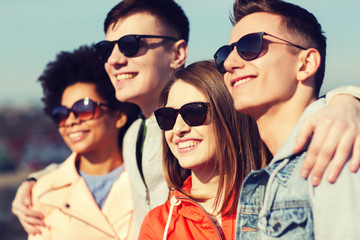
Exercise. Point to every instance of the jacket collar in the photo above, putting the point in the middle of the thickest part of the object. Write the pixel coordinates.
(195, 213)
(70, 194)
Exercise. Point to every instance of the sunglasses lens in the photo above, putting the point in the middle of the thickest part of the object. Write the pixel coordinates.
(59, 115)
(129, 45)
(220, 56)
(249, 46)
(166, 118)
(194, 114)
(104, 49)
(85, 109)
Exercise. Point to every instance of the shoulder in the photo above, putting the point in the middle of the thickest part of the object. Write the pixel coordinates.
(154, 223)
(133, 129)
(56, 178)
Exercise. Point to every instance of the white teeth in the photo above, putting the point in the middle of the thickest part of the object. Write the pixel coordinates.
(122, 77)
(241, 81)
(76, 134)
(187, 144)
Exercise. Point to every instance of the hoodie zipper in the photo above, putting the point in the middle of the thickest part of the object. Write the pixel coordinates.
(139, 147)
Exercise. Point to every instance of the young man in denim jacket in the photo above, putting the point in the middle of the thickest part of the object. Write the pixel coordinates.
(274, 73)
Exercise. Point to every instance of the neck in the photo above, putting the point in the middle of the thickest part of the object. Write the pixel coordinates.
(278, 122)
(101, 162)
(149, 102)
(148, 108)
(208, 188)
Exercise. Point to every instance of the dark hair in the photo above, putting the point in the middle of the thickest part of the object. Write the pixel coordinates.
(168, 11)
(296, 20)
(81, 66)
(239, 147)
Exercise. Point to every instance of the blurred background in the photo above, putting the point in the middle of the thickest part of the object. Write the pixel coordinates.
(33, 32)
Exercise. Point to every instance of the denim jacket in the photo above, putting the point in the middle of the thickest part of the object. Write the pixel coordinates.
(274, 201)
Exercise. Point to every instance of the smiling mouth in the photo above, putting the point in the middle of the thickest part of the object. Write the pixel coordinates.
(75, 134)
(125, 76)
(188, 144)
(241, 81)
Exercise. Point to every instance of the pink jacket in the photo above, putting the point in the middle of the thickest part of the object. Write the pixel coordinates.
(70, 211)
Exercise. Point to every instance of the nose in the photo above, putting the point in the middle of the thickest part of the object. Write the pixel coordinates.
(233, 61)
(116, 57)
(71, 120)
(180, 127)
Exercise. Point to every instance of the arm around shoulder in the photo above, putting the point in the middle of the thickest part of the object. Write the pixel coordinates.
(346, 90)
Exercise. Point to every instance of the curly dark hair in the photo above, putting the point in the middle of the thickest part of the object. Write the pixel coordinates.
(81, 66)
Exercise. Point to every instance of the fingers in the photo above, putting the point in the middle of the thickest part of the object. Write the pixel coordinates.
(316, 150)
(25, 213)
(30, 229)
(332, 141)
(334, 146)
(355, 158)
(342, 154)
(305, 133)
(29, 219)
(21, 207)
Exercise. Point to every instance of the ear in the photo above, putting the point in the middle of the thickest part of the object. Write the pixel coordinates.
(121, 121)
(180, 49)
(309, 64)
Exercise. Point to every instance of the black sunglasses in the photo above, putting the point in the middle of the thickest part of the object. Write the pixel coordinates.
(248, 47)
(128, 45)
(194, 114)
(84, 109)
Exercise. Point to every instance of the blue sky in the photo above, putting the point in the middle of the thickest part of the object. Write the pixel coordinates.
(33, 32)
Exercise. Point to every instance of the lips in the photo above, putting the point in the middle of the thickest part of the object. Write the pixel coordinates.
(125, 76)
(241, 80)
(77, 136)
(188, 144)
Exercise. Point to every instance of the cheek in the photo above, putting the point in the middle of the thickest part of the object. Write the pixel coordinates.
(227, 79)
(61, 132)
(108, 69)
(168, 137)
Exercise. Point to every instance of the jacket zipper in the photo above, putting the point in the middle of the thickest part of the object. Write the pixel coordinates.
(207, 214)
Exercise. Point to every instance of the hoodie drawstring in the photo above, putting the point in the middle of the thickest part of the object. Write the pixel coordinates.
(174, 202)
(264, 210)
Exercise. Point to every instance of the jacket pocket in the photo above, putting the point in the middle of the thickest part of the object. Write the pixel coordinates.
(294, 223)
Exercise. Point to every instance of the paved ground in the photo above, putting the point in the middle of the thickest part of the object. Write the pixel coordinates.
(10, 228)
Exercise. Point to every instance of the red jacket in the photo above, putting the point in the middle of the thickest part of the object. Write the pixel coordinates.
(188, 220)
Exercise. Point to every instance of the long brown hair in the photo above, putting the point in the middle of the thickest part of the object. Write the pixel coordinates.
(239, 147)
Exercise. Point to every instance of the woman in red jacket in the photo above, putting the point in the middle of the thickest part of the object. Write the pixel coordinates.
(208, 150)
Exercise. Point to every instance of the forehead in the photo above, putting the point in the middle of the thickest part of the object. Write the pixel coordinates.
(256, 22)
(181, 93)
(78, 91)
(137, 23)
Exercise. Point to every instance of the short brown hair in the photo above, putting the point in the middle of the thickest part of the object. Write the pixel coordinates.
(296, 20)
(168, 11)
